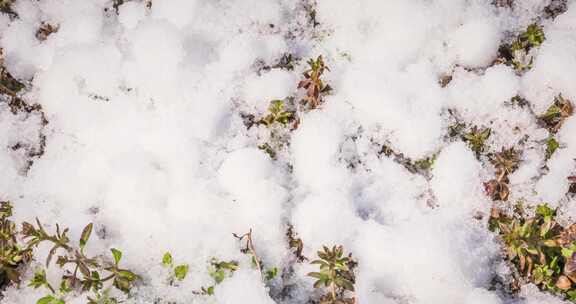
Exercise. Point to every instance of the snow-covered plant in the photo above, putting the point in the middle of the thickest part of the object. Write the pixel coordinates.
(89, 273)
(313, 83)
(336, 275)
(12, 254)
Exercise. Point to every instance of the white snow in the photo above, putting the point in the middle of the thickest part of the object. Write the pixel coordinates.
(145, 138)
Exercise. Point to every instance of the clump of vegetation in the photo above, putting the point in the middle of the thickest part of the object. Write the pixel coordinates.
(315, 87)
(541, 251)
(178, 272)
(277, 114)
(476, 139)
(517, 53)
(556, 114)
(336, 275)
(426, 163)
(90, 273)
(505, 163)
(13, 256)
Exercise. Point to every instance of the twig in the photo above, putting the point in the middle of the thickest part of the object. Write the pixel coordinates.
(250, 248)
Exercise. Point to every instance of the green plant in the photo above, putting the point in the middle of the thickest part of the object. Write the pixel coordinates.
(556, 114)
(313, 83)
(336, 274)
(532, 37)
(551, 146)
(277, 114)
(542, 251)
(12, 254)
(90, 273)
(219, 270)
(476, 139)
(178, 272)
(50, 300)
(271, 273)
(268, 150)
(426, 163)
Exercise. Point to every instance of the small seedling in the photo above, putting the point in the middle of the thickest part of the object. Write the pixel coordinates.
(313, 84)
(179, 272)
(336, 275)
(277, 114)
(425, 164)
(271, 273)
(268, 150)
(218, 270)
(12, 254)
(519, 51)
(556, 114)
(476, 139)
(533, 36)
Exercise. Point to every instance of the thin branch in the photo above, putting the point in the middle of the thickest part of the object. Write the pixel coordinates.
(250, 248)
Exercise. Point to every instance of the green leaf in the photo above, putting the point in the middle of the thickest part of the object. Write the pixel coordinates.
(117, 255)
(218, 275)
(50, 300)
(567, 252)
(276, 106)
(127, 274)
(551, 146)
(181, 271)
(545, 211)
(210, 290)
(271, 273)
(85, 235)
(167, 260)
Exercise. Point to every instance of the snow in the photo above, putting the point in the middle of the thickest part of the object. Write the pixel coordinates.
(145, 138)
